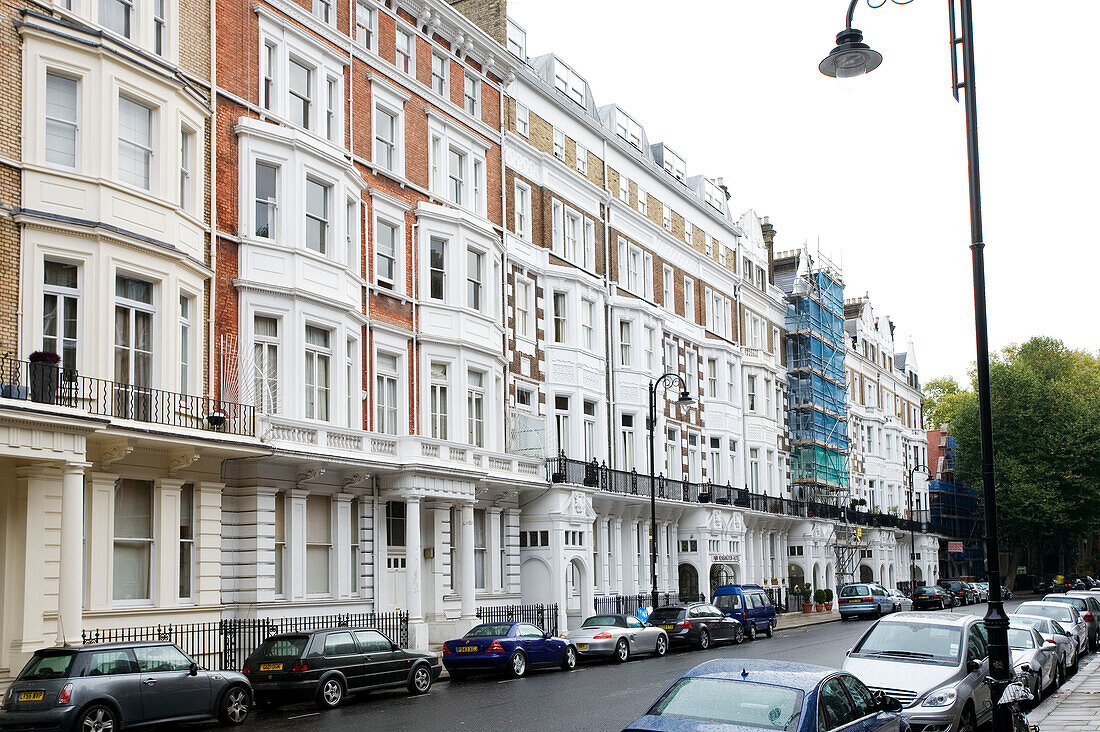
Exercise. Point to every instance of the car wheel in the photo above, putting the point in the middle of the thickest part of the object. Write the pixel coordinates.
(234, 707)
(1060, 677)
(421, 680)
(331, 693)
(1075, 666)
(518, 666)
(967, 722)
(752, 630)
(98, 718)
(738, 634)
(569, 660)
(662, 646)
(622, 651)
(704, 641)
(769, 630)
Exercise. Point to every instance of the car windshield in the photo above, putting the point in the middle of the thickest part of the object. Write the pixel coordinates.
(855, 591)
(47, 665)
(666, 614)
(1020, 638)
(1057, 613)
(918, 641)
(731, 702)
(488, 630)
(285, 647)
(600, 621)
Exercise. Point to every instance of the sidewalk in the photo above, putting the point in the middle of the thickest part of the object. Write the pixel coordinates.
(1076, 706)
(800, 620)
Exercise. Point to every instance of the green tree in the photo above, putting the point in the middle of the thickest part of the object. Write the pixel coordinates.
(1046, 443)
(941, 397)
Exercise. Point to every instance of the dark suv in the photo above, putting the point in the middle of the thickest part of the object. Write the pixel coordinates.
(116, 685)
(697, 624)
(325, 665)
(963, 593)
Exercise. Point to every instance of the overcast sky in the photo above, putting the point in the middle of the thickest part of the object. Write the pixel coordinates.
(875, 169)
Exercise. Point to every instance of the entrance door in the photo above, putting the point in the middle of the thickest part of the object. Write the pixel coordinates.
(395, 566)
(689, 581)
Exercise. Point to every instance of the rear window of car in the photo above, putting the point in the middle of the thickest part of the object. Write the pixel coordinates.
(601, 621)
(1020, 638)
(666, 614)
(1077, 602)
(855, 591)
(288, 647)
(923, 591)
(728, 602)
(919, 641)
(489, 630)
(47, 665)
(1065, 614)
(731, 702)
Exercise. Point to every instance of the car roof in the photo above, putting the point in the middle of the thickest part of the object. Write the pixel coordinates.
(802, 676)
(315, 631)
(931, 619)
(621, 616)
(718, 591)
(112, 646)
(1047, 603)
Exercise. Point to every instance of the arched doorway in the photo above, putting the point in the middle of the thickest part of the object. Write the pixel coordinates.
(534, 577)
(866, 574)
(721, 574)
(796, 576)
(918, 576)
(893, 579)
(830, 578)
(689, 580)
(817, 577)
(574, 586)
(881, 574)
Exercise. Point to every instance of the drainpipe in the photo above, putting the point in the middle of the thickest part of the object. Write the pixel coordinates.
(610, 378)
(213, 220)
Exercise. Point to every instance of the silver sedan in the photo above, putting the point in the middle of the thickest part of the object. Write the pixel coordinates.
(617, 637)
(1066, 615)
(1034, 656)
(1052, 631)
(901, 602)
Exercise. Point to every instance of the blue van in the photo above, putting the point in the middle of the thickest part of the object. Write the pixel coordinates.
(748, 604)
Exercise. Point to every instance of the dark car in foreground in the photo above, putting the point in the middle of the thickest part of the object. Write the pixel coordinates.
(103, 688)
(741, 694)
(326, 665)
(697, 624)
(512, 648)
(932, 597)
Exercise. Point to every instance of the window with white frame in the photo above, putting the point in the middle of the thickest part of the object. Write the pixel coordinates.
(626, 441)
(266, 184)
(385, 138)
(265, 364)
(561, 424)
(456, 176)
(754, 469)
(480, 550)
(522, 206)
(117, 16)
(625, 337)
(643, 201)
(437, 268)
(559, 144)
(767, 396)
(668, 290)
(691, 370)
(750, 392)
(267, 77)
(300, 86)
(439, 74)
(187, 165)
(133, 541)
(365, 25)
(714, 460)
(524, 399)
(187, 541)
(322, 9)
(671, 361)
(523, 120)
(713, 194)
(280, 541)
(573, 232)
(673, 459)
(667, 217)
(569, 83)
(588, 251)
(628, 129)
(517, 40)
(386, 379)
(134, 316)
(689, 299)
(712, 378)
(318, 354)
(354, 381)
(647, 276)
(624, 188)
(582, 159)
(385, 253)
(405, 59)
(589, 431)
(353, 545)
(438, 414)
(559, 317)
(332, 102)
(588, 323)
(186, 308)
(731, 382)
(647, 343)
(475, 408)
(60, 313)
(317, 215)
(732, 476)
(62, 132)
(135, 143)
(675, 165)
(523, 301)
(318, 544)
(471, 94)
(475, 279)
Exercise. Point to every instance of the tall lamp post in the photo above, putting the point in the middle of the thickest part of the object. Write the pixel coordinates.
(852, 57)
(666, 382)
(913, 533)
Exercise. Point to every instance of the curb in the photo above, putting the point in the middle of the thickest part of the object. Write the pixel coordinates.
(1052, 702)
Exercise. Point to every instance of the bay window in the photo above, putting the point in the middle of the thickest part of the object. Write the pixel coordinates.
(318, 544)
(385, 254)
(265, 367)
(187, 541)
(135, 143)
(134, 314)
(60, 312)
(317, 215)
(301, 93)
(559, 317)
(437, 272)
(474, 278)
(475, 408)
(185, 343)
(318, 355)
(385, 393)
(439, 400)
(266, 200)
(133, 540)
(62, 120)
(589, 431)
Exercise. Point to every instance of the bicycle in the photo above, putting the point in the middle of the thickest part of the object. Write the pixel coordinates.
(1015, 692)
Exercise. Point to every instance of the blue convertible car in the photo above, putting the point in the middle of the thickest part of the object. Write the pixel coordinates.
(745, 694)
(509, 647)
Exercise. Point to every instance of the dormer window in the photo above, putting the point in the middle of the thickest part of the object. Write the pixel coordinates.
(517, 41)
(569, 83)
(675, 165)
(628, 129)
(713, 194)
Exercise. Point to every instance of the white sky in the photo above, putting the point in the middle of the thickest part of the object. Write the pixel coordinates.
(875, 169)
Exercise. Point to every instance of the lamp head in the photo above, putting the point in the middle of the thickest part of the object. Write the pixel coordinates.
(851, 57)
(685, 400)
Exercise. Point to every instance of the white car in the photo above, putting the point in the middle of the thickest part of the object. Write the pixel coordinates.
(1066, 615)
(1052, 630)
(1033, 656)
(901, 602)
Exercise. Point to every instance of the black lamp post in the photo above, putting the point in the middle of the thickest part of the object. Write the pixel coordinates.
(666, 382)
(913, 533)
(850, 58)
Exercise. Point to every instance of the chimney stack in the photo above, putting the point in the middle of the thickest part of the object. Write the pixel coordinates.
(769, 241)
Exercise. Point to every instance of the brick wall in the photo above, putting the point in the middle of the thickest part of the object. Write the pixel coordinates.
(11, 106)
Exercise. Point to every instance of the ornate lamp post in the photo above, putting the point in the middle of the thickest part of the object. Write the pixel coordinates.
(913, 533)
(666, 382)
(851, 58)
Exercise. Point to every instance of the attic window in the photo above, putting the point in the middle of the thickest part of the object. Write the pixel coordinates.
(517, 41)
(569, 83)
(628, 129)
(713, 194)
(675, 165)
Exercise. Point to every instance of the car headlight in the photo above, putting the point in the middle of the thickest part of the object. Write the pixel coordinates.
(944, 697)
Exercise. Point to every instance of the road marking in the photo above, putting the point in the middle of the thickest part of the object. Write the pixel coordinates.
(507, 681)
(303, 716)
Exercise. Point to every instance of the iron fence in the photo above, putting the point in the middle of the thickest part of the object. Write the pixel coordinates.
(542, 616)
(630, 604)
(225, 644)
(45, 383)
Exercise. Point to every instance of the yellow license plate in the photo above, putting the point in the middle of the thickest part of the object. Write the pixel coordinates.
(29, 696)
(582, 646)
(271, 667)
(468, 649)
(666, 627)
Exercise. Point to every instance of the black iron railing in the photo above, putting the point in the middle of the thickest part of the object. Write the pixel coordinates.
(597, 475)
(225, 644)
(629, 604)
(49, 384)
(541, 616)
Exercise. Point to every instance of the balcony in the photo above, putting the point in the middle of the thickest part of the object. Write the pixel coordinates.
(49, 385)
(593, 475)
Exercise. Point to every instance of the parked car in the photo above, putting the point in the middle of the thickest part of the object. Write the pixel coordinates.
(1067, 615)
(1006, 594)
(1052, 630)
(902, 602)
(697, 624)
(748, 604)
(115, 685)
(513, 648)
(932, 596)
(963, 594)
(1034, 657)
(327, 664)
(983, 590)
(864, 598)
(748, 693)
(617, 637)
(935, 665)
(1089, 607)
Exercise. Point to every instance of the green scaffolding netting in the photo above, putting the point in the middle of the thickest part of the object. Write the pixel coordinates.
(819, 465)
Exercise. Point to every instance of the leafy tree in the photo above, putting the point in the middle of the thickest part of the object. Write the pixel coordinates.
(1046, 444)
(941, 397)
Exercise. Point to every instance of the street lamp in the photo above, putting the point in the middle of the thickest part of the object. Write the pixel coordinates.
(851, 58)
(912, 534)
(666, 382)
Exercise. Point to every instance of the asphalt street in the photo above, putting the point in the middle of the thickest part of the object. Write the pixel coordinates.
(596, 696)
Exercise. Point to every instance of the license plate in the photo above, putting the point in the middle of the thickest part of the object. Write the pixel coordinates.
(468, 649)
(582, 646)
(666, 627)
(271, 667)
(31, 696)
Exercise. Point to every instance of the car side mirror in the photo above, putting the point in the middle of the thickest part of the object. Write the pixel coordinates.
(973, 664)
(886, 703)
(547, 635)
(394, 646)
(194, 670)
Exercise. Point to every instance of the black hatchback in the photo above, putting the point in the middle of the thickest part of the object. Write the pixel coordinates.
(697, 624)
(326, 665)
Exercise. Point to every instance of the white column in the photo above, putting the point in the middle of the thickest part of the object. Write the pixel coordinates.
(495, 580)
(413, 559)
(295, 506)
(341, 542)
(615, 559)
(674, 559)
(747, 571)
(603, 557)
(663, 577)
(166, 557)
(71, 572)
(466, 551)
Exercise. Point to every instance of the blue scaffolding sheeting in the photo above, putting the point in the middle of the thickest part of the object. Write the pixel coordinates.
(807, 389)
(814, 426)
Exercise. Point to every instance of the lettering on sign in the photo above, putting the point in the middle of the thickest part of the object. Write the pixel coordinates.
(716, 558)
(955, 547)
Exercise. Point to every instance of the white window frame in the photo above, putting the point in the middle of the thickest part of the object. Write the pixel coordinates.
(387, 385)
(323, 218)
(366, 25)
(471, 93)
(667, 215)
(386, 99)
(521, 203)
(643, 201)
(318, 545)
(523, 120)
(560, 317)
(689, 299)
(270, 204)
(477, 398)
(186, 343)
(441, 75)
(477, 275)
(570, 83)
(55, 120)
(64, 298)
(559, 144)
(265, 365)
(582, 159)
(525, 308)
(382, 225)
(624, 188)
(146, 148)
(626, 343)
(305, 98)
(389, 212)
(323, 11)
(406, 65)
(669, 288)
(318, 355)
(439, 408)
(588, 325)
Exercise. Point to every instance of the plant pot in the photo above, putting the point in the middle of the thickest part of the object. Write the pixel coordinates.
(807, 607)
(44, 378)
(818, 608)
(828, 607)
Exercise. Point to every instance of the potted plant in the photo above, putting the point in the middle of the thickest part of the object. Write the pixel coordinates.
(828, 600)
(44, 376)
(804, 594)
(819, 600)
